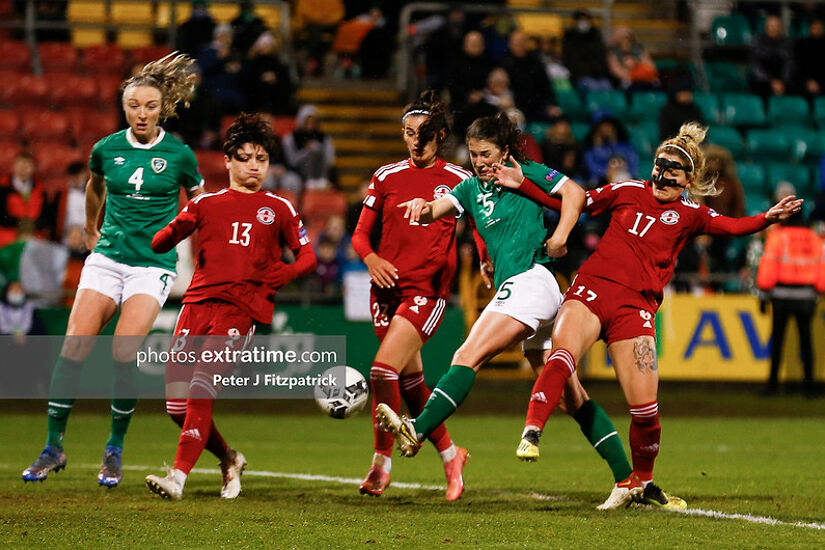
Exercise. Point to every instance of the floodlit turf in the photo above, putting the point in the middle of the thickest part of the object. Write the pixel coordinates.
(770, 468)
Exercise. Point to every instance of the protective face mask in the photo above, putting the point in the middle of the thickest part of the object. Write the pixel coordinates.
(15, 298)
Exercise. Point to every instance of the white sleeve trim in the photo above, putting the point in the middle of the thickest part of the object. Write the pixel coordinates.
(559, 185)
(456, 204)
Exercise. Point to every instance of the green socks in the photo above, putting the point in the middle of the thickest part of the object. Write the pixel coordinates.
(599, 430)
(124, 401)
(445, 399)
(62, 392)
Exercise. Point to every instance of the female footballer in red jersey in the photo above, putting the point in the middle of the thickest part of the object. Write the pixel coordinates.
(412, 272)
(241, 232)
(618, 290)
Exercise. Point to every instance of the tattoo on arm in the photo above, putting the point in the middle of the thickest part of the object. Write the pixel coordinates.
(645, 355)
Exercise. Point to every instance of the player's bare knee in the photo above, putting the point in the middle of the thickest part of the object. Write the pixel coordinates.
(77, 348)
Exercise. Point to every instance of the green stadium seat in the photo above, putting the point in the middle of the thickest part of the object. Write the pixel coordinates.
(571, 103)
(645, 106)
(538, 130)
(752, 176)
(727, 137)
(609, 100)
(819, 111)
(788, 110)
(770, 144)
(807, 144)
(731, 30)
(797, 174)
(743, 109)
(726, 76)
(645, 138)
(709, 105)
(580, 130)
(755, 205)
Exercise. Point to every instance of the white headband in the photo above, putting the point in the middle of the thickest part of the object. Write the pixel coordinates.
(692, 166)
(415, 112)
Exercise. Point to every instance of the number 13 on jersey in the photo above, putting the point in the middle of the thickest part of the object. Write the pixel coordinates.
(240, 233)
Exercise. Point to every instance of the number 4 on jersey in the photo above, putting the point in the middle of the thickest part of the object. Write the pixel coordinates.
(136, 179)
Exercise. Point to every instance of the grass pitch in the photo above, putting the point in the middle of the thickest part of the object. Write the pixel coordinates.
(300, 489)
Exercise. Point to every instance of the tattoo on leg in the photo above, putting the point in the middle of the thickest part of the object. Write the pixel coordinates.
(645, 355)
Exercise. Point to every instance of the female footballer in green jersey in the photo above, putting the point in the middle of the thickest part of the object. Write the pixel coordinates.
(527, 296)
(138, 172)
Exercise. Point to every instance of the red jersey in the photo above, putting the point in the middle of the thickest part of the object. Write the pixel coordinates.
(645, 236)
(240, 237)
(424, 254)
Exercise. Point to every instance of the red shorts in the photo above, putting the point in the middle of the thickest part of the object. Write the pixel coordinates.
(425, 313)
(213, 318)
(623, 312)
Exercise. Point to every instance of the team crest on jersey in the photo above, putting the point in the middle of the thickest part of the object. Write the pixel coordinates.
(669, 217)
(440, 191)
(266, 215)
(119, 161)
(420, 301)
(646, 317)
(158, 165)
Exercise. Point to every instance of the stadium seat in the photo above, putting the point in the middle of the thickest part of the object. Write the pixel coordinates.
(25, 90)
(288, 195)
(72, 89)
(14, 56)
(9, 148)
(9, 124)
(131, 13)
(645, 106)
(709, 105)
(731, 30)
(726, 76)
(571, 104)
(743, 110)
(727, 137)
(318, 206)
(163, 15)
(53, 159)
(108, 58)
(270, 14)
(148, 53)
(57, 56)
(108, 87)
(752, 176)
(86, 11)
(213, 169)
(765, 145)
(788, 110)
(796, 174)
(282, 125)
(45, 126)
(613, 101)
(807, 144)
(538, 130)
(580, 130)
(819, 112)
(130, 39)
(92, 125)
(645, 139)
(224, 13)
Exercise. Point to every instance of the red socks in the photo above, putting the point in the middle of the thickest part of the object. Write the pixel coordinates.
(384, 382)
(195, 433)
(416, 393)
(215, 444)
(645, 433)
(548, 387)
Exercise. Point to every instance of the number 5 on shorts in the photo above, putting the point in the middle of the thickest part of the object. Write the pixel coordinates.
(504, 292)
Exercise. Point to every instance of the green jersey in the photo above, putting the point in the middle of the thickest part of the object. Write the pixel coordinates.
(143, 184)
(511, 225)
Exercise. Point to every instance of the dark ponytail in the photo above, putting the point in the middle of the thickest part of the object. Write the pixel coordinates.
(436, 126)
(501, 131)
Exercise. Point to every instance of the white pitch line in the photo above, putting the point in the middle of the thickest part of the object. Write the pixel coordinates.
(763, 520)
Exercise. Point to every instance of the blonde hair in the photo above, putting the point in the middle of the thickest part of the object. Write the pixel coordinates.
(172, 77)
(686, 147)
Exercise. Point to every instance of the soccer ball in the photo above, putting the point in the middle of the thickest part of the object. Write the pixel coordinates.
(341, 392)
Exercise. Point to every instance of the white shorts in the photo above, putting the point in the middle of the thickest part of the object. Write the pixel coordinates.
(532, 297)
(120, 281)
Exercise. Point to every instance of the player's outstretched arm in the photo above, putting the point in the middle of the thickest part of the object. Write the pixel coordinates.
(178, 229)
(95, 195)
(304, 264)
(784, 209)
(572, 201)
(421, 211)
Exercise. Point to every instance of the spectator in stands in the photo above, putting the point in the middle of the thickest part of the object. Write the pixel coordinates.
(585, 55)
(607, 138)
(810, 51)
(560, 150)
(317, 21)
(377, 47)
(309, 151)
(680, 108)
(630, 63)
(335, 231)
(17, 315)
(196, 32)
(792, 273)
(280, 177)
(198, 125)
(222, 65)
(268, 83)
(325, 281)
(729, 202)
(532, 91)
(75, 204)
(443, 46)
(21, 198)
(771, 60)
(246, 27)
(550, 54)
(468, 76)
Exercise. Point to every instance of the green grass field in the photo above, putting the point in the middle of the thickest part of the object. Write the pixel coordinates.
(750, 465)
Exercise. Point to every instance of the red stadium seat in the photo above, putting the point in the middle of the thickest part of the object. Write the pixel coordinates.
(106, 58)
(149, 53)
(72, 89)
(108, 87)
(9, 124)
(288, 195)
(92, 125)
(282, 125)
(14, 55)
(52, 159)
(26, 90)
(9, 148)
(213, 169)
(47, 126)
(57, 56)
(323, 204)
